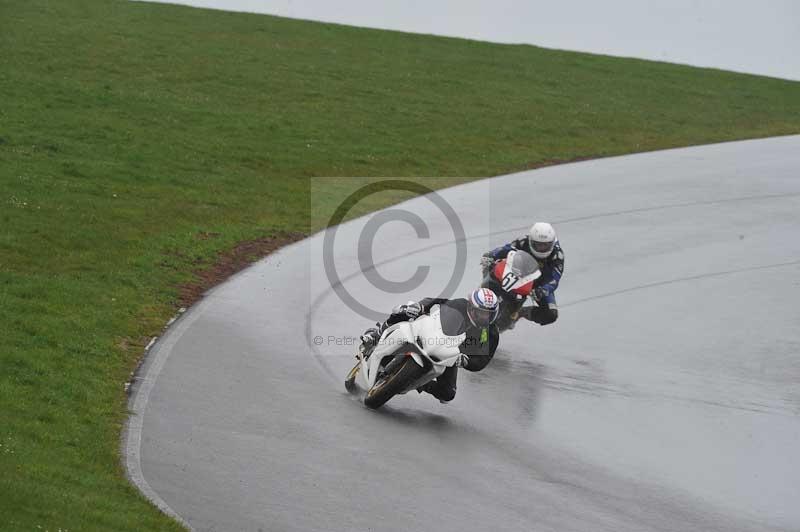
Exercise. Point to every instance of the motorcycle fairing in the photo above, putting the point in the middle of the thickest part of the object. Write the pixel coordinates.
(423, 340)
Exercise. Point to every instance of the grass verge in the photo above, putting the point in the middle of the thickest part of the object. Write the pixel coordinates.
(140, 141)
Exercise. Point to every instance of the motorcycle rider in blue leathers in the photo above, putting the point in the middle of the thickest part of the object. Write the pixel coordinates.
(541, 242)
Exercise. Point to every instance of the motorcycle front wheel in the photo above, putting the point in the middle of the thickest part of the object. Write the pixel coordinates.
(393, 382)
(350, 381)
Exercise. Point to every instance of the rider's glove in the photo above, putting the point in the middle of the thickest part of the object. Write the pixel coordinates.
(486, 262)
(413, 310)
(410, 310)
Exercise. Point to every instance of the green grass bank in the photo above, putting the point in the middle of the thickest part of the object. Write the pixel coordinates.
(138, 141)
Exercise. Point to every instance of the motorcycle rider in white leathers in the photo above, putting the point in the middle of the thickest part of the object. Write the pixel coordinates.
(473, 316)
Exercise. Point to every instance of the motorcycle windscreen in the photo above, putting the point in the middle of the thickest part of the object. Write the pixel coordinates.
(523, 265)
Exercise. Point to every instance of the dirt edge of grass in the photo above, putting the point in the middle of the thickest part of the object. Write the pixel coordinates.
(232, 261)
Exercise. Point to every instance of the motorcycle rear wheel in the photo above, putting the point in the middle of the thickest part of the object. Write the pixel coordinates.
(389, 385)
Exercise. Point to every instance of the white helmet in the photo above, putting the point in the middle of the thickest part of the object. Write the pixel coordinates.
(542, 238)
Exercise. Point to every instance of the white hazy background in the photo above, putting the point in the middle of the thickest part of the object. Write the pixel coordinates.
(755, 36)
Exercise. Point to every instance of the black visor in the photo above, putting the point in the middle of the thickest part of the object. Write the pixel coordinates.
(542, 247)
(481, 317)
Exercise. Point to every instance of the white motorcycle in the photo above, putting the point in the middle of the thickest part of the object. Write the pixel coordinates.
(409, 355)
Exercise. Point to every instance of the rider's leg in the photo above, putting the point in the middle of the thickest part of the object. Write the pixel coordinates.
(549, 312)
(444, 387)
(545, 314)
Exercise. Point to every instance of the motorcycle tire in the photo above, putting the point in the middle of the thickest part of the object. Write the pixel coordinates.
(391, 384)
(350, 381)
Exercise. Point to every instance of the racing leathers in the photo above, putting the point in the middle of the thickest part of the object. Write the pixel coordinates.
(478, 346)
(552, 268)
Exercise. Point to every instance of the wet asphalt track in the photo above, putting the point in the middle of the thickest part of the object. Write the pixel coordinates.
(665, 398)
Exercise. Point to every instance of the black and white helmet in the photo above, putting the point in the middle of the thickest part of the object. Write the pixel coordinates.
(542, 238)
